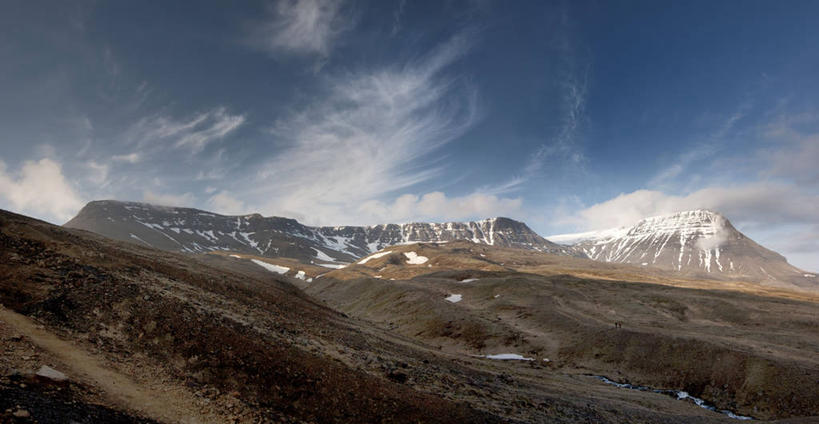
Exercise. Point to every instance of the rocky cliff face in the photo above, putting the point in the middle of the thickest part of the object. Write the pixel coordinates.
(196, 231)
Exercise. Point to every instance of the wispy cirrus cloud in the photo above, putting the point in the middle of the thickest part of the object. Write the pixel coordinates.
(373, 133)
(564, 144)
(193, 133)
(438, 206)
(572, 75)
(133, 157)
(302, 27)
(668, 175)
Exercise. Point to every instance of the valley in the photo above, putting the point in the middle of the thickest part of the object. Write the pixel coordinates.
(451, 331)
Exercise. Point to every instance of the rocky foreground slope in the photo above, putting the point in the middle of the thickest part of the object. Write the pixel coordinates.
(698, 242)
(197, 231)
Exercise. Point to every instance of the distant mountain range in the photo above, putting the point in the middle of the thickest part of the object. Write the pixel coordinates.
(694, 242)
(698, 243)
(197, 231)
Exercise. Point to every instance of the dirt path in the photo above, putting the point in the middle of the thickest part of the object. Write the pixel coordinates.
(120, 389)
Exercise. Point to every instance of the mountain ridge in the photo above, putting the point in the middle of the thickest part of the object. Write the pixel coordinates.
(197, 231)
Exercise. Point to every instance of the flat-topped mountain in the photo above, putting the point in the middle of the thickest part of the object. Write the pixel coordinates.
(197, 231)
(698, 241)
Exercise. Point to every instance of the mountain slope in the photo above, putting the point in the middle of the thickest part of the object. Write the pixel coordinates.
(197, 231)
(694, 242)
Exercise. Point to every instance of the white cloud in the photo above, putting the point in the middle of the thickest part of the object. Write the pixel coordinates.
(224, 203)
(683, 162)
(437, 206)
(98, 172)
(373, 134)
(303, 26)
(193, 134)
(165, 199)
(127, 158)
(39, 189)
(396, 17)
(754, 204)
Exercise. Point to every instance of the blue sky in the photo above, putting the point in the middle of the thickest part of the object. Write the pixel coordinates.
(570, 116)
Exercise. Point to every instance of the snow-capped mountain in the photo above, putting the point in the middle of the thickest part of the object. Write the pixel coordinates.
(196, 231)
(698, 241)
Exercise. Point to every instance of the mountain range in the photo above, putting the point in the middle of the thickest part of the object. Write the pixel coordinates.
(197, 231)
(697, 243)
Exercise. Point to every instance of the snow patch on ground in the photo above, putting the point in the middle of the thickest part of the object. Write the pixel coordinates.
(236, 256)
(300, 275)
(334, 266)
(133, 236)
(468, 280)
(454, 298)
(374, 256)
(810, 276)
(414, 259)
(270, 267)
(508, 357)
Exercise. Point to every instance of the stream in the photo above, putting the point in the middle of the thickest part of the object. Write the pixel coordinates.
(678, 394)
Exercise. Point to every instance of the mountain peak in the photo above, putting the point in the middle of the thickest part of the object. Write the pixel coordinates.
(702, 222)
(694, 241)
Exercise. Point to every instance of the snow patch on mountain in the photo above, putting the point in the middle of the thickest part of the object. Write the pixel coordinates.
(415, 259)
(454, 298)
(508, 357)
(270, 267)
(374, 256)
(322, 256)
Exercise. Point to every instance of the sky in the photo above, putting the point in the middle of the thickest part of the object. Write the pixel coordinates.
(570, 115)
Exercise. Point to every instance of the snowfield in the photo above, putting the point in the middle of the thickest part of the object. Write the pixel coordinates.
(334, 266)
(322, 256)
(414, 259)
(454, 298)
(270, 267)
(508, 357)
(374, 256)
